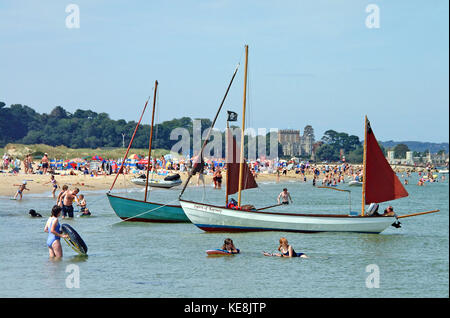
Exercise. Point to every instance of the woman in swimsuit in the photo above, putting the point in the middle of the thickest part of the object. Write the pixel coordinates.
(286, 250)
(54, 235)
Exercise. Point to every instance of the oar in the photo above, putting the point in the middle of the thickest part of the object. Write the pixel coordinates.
(414, 214)
(267, 207)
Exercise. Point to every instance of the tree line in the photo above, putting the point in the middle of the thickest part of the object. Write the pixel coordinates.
(82, 129)
(88, 129)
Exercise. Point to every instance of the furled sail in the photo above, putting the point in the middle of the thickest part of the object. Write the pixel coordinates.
(381, 184)
(232, 164)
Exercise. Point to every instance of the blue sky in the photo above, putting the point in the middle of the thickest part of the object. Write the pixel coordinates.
(310, 62)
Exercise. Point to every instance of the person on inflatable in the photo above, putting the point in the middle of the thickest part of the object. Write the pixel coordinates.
(228, 246)
(285, 250)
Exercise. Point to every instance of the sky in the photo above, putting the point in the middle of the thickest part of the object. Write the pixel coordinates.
(310, 62)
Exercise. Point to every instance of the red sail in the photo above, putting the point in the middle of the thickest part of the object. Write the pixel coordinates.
(232, 160)
(381, 184)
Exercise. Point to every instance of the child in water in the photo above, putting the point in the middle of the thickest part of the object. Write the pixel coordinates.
(82, 204)
(228, 246)
(54, 185)
(22, 187)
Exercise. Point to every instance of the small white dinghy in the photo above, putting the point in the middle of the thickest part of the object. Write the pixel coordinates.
(167, 182)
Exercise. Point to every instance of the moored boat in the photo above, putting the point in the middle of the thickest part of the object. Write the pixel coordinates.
(167, 183)
(380, 184)
(143, 210)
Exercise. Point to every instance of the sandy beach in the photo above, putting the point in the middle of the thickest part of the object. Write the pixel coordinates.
(37, 182)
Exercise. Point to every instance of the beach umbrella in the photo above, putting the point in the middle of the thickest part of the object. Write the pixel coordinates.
(97, 158)
(143, 161)
(134, 156)
(72, 164)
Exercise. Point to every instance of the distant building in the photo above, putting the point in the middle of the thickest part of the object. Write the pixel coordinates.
(295, 145)
(434, 159)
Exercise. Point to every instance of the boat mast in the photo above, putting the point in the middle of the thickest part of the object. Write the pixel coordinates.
(241, 162)
(364, 168)
(228, 174)
(129, 146)
(150, 142)
(210, 130)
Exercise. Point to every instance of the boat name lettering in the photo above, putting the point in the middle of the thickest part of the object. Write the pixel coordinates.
(207, 208)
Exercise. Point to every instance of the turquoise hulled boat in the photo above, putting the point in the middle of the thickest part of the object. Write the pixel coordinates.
(134, 210)
(141, 211)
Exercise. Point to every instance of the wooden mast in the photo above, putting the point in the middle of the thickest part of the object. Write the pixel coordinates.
(228, 175)
(210, 130)
(364, 168)
(241, 162)
(150, 142)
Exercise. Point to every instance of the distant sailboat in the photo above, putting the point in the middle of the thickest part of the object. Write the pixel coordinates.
(379, 184)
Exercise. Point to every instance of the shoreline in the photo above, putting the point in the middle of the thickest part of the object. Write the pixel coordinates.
(37, 182)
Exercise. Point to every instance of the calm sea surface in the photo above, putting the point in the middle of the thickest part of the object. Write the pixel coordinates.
(169, 260)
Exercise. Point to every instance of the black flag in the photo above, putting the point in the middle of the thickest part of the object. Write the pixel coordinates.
(232, 116)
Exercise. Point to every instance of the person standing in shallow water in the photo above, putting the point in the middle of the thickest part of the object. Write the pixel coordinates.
(67, 207)
(54, 185)
(285, 196)
(52, 227)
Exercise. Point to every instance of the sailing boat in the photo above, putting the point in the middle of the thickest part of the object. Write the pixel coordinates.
(142, 210)
(380, 184)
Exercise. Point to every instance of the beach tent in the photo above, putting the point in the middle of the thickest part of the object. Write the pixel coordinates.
(97, 158)
(134, 156)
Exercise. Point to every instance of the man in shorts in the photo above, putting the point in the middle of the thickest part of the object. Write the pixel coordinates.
(67, 208)
(44, 163)
(285, 196)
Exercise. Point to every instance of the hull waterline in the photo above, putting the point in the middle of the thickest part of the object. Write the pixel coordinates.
(219, 219)
(140, 211)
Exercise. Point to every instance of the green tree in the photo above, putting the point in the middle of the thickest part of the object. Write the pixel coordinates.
(327, 152)
(400, 151)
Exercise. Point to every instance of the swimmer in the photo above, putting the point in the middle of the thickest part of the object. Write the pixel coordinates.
(228, 246)
(286, 250)
(54, 234)
(22, 187)
(34, 214)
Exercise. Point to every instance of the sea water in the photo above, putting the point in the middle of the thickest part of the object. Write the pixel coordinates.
(131, 259)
